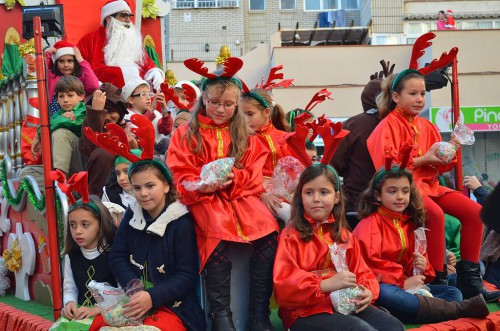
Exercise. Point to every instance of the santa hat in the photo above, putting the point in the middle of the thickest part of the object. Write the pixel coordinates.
(113, 7)
(131, 85)
(449, 12)
(187, 82)
(62, 48)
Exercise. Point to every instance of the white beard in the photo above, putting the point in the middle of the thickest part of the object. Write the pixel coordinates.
(124, 44)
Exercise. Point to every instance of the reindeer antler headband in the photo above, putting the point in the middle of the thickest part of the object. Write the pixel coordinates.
(188, 91)
(230, 66)
(391, 163)
(76, 183)
(302, 116)
(268, 85)
(115, 141)
(332, 134)
(418, 50)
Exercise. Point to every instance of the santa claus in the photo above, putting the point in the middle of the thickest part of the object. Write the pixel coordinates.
(115, 50)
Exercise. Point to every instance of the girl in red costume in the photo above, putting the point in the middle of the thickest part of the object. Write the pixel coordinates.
(401, 100)
(392, 209)
(231, 211)
(267, 120)
(304, 274)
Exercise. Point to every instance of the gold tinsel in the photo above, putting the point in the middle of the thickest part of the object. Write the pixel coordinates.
(224, 53)
(11, 3)
(27, 48)
(149, 9)
(12, 257)
(170, 77)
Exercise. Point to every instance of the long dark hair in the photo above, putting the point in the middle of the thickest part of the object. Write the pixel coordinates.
(77, 70)
(107, 227)
(297, 219)
(368, 203)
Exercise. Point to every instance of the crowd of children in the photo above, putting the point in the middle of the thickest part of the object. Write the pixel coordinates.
(144, 151)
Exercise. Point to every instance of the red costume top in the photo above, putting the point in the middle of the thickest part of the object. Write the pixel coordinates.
(300, 267)
(387, 244)
(235, 213)
(91, 47)
(275, 141)
(395, 130)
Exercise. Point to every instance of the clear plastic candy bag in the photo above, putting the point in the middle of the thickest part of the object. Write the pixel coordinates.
(285, 178)
(343, 300)
(110, 301)
(462, 134)
(213, 172)
(421, 248)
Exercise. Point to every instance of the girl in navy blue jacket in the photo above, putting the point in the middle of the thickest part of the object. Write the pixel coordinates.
(156, 243)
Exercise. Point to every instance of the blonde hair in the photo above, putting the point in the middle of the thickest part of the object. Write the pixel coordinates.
(237, 125)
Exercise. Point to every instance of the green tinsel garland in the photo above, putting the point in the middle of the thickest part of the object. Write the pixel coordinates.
(38, 204)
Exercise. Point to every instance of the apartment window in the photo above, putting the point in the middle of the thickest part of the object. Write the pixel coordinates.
(349, 4)
(476, 25)
(257, 4)
(179, 4)
(287, 4)
(320, 4)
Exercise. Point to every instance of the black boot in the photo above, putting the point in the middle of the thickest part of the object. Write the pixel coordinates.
(218, 284)
(261, 288)
(435, 310)
(470, 283)
(441, 277)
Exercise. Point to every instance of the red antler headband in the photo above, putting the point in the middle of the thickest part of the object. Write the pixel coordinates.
(332, 134)
(418, 50)
(115, 141)
(230, 66)
(317, 98)
(391, 162)
(76, 183)
(269, 85)
(170, 94)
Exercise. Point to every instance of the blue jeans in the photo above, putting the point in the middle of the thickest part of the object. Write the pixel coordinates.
(370, 319)
(405, 305)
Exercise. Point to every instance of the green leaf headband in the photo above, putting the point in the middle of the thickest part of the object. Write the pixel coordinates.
(404, 158)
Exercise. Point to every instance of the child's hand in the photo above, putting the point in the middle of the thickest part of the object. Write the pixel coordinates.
(69, 310)
(36, 146)
(140, 303)
(98, 100)
(430, 158)
(160, 98)
(271, 201)
(69, 115)
(414, 281)
(343, 279)
(419, 261)
(86, 312)
(78, 55)
(364, 299)
(211, 188)
(451, 262)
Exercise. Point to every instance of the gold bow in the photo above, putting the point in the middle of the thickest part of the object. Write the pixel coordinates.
(12, 257)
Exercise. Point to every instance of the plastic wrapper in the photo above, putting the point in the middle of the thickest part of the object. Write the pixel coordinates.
(465, 136)
(285, 178)
(110, 301)
(421, 248)
(213, 172)
(343, 300)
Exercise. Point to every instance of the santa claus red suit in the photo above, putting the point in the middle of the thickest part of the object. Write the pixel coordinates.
(115, 50)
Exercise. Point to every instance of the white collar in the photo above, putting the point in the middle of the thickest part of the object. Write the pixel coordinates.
(173, 212)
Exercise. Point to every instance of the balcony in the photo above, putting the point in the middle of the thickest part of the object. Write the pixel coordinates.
(183, 4)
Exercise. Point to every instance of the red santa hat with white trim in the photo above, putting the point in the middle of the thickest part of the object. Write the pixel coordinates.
(113, 7)
(62, 48)
(449, 12)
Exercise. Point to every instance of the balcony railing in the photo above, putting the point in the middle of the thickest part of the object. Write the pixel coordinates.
(180, 4)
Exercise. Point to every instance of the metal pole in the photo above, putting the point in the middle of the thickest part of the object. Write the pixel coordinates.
(456, 115)
(50, 202)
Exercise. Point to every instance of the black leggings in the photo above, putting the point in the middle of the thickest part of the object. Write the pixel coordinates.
(264, 249)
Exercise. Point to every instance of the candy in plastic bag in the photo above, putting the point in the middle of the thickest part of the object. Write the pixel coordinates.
(463, 134)
(110, 301)
(213, 172)
(445, 151)
(285, 178)
(420, 245)
(343, 300)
